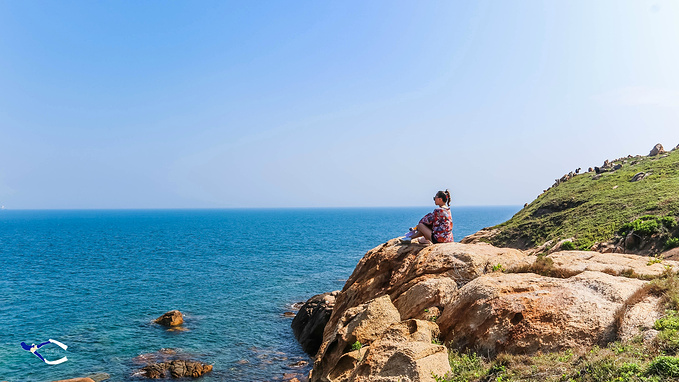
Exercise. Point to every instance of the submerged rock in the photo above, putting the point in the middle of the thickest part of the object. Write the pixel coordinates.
(167, 363)
(97, 377)
(175, 369)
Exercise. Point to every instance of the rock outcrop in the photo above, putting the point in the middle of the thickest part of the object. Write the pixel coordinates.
(311, 319)
(403, 300)
(371, 343)
(657, 150)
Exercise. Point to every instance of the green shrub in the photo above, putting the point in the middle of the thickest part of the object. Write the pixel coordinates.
(672, 242)
(648, 224)
(567, 246)
(668, 221)
(584, 244)
(356, 346)
(664, 366)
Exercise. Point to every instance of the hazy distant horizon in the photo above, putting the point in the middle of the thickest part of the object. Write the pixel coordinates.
(254, 208)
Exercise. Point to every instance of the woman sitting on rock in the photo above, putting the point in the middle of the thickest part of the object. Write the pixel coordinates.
(437, 226)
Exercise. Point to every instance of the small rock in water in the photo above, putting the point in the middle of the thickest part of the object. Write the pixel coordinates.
(171, 318)
(289, 314)
(298, 364)
(175, 369)
(98, 377)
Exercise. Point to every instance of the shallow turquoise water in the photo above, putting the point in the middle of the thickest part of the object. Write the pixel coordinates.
(95, 280)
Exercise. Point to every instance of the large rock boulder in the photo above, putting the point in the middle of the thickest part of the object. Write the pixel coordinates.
(657, 150)
(362, 324)
(372, 344)
(404, 352)
(524, 313)
(310, 321)
(393, 269)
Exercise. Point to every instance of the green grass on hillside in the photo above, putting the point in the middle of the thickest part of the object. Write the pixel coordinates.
(593, 210)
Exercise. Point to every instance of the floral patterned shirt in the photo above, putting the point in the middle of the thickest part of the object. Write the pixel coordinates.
(441, 222)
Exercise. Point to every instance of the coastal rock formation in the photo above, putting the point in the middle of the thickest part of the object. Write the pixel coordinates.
(481, 298)
(371, 343)
(171, 318)
(392, 269)
(310, 321)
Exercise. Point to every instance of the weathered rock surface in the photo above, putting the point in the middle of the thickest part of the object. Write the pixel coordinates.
(175, 369)
(525, 313)
(389, 350)
(171, 318)
(362, 324)
(640, 317)
(617, 264)
(310, 321)
(392, 269)
(482, 298)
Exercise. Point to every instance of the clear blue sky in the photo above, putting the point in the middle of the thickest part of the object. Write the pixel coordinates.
(182, 104)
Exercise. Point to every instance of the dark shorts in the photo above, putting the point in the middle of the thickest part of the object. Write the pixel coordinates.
(433, 239)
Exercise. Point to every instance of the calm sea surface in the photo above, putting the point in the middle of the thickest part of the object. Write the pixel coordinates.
(94, 280)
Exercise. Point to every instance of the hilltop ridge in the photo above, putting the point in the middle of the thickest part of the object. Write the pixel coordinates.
(594, 210)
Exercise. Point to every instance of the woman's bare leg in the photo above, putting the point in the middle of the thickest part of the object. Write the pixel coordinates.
(423, 230)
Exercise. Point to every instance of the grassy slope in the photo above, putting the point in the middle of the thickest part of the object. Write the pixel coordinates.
(593, 210)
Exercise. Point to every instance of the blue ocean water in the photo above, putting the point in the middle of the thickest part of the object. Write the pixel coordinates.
(94, 280)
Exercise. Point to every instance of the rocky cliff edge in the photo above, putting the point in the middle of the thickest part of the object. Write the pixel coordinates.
(403, 302)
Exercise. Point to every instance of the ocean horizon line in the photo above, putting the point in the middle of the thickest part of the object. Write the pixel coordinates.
(253, 208)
